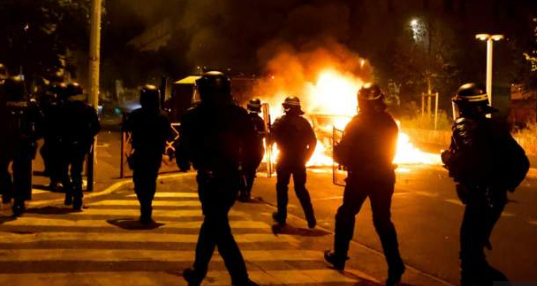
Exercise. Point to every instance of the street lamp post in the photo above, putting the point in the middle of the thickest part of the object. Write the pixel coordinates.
(489, 39)
(94, 65)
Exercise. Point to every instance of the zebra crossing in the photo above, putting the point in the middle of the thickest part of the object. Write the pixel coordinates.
(105, 245)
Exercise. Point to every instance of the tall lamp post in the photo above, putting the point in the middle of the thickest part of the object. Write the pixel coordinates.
(94, 65)
(490, 39)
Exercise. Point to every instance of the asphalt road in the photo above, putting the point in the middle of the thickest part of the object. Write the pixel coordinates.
(427, 215)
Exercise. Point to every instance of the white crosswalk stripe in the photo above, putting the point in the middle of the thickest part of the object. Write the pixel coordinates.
(103, 265)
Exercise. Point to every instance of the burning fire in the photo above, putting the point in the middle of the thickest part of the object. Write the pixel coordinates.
(330, 102)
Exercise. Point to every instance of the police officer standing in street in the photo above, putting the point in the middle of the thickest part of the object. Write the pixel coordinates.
(485, 162)
(76, 125)
(19, 129)
(296, 142)
(150, 129)
(367, 150)
(254, 108)
(216, 136)
(49, 102)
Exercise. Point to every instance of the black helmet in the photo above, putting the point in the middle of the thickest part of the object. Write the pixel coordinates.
(292, 105)
(73, 89)
(3, 72)
(254, 105)
(150, 97)
(214, 87)
(371, 98)
(471, 99)
(14, 89)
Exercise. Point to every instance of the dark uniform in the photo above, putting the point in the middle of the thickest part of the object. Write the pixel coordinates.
(49, 103)
(367, 150)
(250, 170)
(296, 142)
(75, 125)
(485, 162)
(216, 136)
(150, 129)
(19, 131)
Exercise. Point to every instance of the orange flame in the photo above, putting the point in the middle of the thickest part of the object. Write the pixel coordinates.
(329, 101)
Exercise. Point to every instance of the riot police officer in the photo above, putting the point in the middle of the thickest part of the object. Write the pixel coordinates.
(150, 129)
(216, 137)
(49, 102)
(76, 124)
(367, 149)
(485, 162)
(19, 131)
(254, 108)
(296, 142)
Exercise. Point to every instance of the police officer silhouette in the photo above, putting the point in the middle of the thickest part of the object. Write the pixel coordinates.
(217, 137)
(76, 124)
(150, 129)
(485, 162)
(250, 170)
(296, 142)
(367, 150)
(20, 129)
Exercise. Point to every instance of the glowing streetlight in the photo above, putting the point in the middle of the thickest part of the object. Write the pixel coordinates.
(490, 39)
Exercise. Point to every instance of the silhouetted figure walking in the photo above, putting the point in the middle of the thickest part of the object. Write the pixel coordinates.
(367, 150)
(296, 142)
(20, 123)
(250, 170)
(75, 125)
(49, 102)
(150, 129)
(485, 162)
(216, 136)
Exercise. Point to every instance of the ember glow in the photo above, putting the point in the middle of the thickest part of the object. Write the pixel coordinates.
(329, 100)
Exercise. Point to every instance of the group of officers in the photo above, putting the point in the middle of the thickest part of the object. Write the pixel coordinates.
(223, 142)
(59, 114)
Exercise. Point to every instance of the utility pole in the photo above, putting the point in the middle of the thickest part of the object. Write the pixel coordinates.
(94, 69)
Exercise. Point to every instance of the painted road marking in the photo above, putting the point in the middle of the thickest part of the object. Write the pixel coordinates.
(171, 195)
(534, 222)
(278, 277)
(155, 203)
(118, 213)
(6, 237)
(154, 255)
(508, 214)
(44, 222)
(455, 202)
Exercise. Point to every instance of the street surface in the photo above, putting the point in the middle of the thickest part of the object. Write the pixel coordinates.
(105, 245)
(427, 215)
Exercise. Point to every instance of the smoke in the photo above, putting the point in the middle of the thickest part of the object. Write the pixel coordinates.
(325, 77)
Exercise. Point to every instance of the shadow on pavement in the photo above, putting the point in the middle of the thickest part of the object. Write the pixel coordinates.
(132, 224)
(291, 230)
(51, 210)
(4, 219)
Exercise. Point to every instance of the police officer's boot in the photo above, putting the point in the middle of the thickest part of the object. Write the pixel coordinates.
(18, 208)
(338, 261)
(193, 277)
(279, 218)
(395, 274)
(77, 203)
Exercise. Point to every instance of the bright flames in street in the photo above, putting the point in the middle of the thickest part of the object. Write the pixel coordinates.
(330, 103)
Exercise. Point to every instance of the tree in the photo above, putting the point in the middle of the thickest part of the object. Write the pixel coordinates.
(35, 38)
